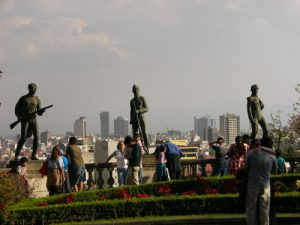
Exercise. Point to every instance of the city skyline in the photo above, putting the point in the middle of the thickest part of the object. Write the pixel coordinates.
(189, 58)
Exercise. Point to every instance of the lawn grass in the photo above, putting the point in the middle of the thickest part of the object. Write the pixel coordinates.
(168, 218)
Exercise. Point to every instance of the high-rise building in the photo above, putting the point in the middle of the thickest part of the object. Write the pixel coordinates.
(80, 127)
(104, 123)
(201, 124)
(121, 126)
(212, 134)
(229, 127)
(45, 136)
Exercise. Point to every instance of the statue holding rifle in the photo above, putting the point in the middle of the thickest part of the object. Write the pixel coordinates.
(138, 107)
(26, 109)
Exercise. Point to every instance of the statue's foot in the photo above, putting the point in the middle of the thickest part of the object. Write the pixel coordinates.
(34, 157)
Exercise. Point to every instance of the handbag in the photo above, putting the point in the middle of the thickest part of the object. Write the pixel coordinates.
(44, 169)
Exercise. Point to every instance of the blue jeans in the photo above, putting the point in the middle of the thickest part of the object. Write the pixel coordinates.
(122, 173)
(66, 185)
(220, 168)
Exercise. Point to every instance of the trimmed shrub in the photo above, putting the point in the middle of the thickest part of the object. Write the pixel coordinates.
(140, 207)
(179, 197)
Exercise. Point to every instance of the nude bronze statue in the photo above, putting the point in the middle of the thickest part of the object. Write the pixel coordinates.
(26, 109)
(254, 109)
(138, 106)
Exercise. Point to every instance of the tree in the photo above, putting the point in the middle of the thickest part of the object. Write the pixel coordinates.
(294, 121)
(278, 131)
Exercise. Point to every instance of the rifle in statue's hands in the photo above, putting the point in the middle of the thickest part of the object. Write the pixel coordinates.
(41, 110)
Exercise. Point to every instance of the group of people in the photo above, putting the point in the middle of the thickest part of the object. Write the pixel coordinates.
(65, 171)
(257, 160)
(129, 161)
(231, 160)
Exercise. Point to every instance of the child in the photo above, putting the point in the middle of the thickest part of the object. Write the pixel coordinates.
(22, 167)
(161, 170)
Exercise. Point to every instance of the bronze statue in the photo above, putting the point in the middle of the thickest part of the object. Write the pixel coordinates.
(26, 109)
(138, 107)
(254, 109)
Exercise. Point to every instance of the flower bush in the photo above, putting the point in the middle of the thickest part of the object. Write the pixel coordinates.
(13, 188)
(124, 194)
(3, 213)
(65, 199)
(164, 190)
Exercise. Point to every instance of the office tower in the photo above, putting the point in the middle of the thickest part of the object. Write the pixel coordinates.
(229, 127)
(121, 126)
(212, 134)
(201, 124)
(104, 121)
(45, 136)
(80, 127)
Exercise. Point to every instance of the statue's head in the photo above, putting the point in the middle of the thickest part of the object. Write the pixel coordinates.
(254, 89)
(135, 89)
(32, 88)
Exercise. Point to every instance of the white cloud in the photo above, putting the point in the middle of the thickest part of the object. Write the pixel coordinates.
(233, 5)
(100, 38)
(15, 23)
(65, 24)
(47, 6)
(31, 49)
(7, 5)
(292, 6)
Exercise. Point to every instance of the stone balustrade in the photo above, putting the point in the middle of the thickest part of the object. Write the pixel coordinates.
(103, 175)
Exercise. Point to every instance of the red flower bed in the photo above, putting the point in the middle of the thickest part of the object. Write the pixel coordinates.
(2, 206)
(143, 195)
(189, 193)
(164, 190)
(211, 191)
(65, 200)
(124, 194)
(43, 204)
(103, 198)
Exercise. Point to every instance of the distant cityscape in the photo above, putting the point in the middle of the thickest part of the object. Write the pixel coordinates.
(205, 131)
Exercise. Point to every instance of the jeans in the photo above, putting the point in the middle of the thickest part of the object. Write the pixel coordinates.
(122, 173)
(66, 185)
(220, 168)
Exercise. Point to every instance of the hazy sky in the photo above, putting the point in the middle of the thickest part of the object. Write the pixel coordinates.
(189, 57)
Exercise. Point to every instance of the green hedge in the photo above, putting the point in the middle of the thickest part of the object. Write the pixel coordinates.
(153, 206)
(223, 185)
(90, 205)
